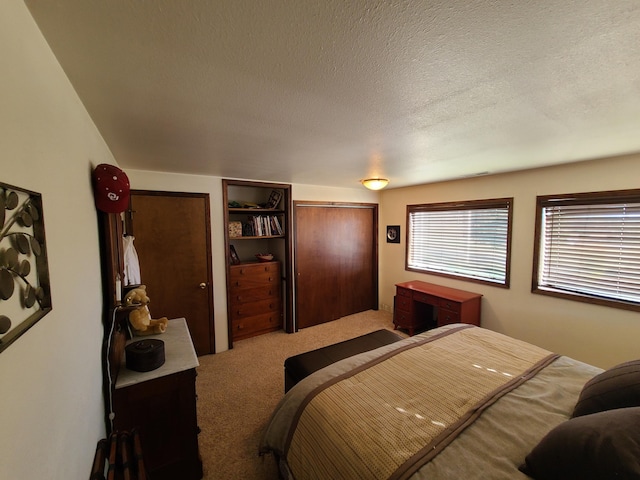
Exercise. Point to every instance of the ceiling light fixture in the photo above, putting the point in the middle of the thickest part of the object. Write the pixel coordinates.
(375, 183)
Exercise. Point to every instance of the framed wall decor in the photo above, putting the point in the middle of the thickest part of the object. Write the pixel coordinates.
(233, 255)
(393, 234)
(25, 293)
(274, 199)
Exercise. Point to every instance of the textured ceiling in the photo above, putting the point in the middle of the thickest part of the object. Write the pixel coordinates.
(328, 92)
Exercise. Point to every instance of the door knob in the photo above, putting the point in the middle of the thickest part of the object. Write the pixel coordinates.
(203, 285)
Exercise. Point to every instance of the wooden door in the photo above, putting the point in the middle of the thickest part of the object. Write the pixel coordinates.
(336, 261)
(173, 241)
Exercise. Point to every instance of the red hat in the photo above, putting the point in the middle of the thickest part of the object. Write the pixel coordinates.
(110, 188)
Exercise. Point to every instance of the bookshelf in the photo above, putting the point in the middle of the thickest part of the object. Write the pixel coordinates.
(257, 221)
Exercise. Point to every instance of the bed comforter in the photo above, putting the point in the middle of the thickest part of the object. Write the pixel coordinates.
(455, 402)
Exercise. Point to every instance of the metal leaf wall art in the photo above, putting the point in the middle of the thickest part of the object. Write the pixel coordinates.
(25, 294)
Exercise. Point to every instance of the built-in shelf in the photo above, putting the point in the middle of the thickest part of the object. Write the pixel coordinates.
(254, 210)
(261, 237)
(241, 224)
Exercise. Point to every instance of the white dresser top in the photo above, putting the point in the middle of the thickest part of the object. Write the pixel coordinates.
(179, 355)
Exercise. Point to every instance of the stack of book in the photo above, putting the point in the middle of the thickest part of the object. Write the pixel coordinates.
(262, 226)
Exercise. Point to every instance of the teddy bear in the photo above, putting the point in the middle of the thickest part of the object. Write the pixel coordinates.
(140, 318)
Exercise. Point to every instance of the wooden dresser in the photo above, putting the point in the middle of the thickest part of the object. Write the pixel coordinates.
(421, 305)
(255, 300)
(161, 405)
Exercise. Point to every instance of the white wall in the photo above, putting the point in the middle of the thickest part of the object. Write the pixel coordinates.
(146, 180)
(51, 407)
(599, 335)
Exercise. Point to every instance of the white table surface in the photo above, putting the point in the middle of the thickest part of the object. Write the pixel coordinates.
(178, 352)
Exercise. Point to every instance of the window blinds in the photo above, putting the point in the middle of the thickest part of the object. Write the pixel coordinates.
(592, 250)
(462, 241)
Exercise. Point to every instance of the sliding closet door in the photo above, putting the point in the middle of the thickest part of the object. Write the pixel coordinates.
(336, 260)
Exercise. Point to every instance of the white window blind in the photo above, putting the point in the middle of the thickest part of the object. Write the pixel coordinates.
(467, 240)
(591, 249)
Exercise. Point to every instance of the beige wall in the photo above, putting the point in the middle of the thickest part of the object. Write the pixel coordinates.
(51, 407)
(595, 334)
(144, 180)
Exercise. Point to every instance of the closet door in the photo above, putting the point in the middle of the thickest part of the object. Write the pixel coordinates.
(336, 260)
(173, 239)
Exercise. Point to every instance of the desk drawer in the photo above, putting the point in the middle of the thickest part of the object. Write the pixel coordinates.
(403, 292)
(445, 317)
(403, 303)
(402, 319)
(425, 298)
(449, 305)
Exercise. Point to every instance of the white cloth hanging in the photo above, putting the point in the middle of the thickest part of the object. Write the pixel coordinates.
(131, 263)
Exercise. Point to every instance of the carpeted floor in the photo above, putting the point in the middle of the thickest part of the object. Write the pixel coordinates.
(238, 389)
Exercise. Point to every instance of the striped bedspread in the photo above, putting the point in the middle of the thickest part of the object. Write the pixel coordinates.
(389, 416)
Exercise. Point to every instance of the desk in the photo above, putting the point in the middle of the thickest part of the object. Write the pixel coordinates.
(419, 305)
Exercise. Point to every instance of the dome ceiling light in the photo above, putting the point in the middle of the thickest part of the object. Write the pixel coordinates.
(375, 183)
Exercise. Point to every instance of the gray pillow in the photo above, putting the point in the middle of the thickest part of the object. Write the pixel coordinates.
(600, 446)
(618, 387)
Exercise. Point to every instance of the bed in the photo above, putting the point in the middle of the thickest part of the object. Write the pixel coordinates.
(458, 402)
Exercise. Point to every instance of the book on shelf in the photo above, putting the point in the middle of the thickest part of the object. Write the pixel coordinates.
(262, 226)
(276, 225)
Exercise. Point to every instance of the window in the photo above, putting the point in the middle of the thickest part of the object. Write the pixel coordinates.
(587, 248)
(469, 240)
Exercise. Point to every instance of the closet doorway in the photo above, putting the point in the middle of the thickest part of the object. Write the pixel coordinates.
(172, 234)
(336, 260)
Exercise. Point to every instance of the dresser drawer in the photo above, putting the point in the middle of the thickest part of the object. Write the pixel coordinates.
(246, 327)
(261, 278)
(253, 269)
(259, 307)
(245, 295)
(259, 272)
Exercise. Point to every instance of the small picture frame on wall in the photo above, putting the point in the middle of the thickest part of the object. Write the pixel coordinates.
(393, 234)
(233, 255)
